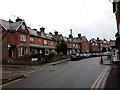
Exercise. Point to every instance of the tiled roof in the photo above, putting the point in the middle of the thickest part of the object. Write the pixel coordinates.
(58, 37)
(93, 40)
(33, 32)
(11, 26)
(76, 40)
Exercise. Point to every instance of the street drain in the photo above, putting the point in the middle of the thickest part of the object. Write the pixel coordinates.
(51, 70)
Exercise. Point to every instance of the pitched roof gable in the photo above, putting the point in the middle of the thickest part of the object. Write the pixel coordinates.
(12, 26)
(84, 38)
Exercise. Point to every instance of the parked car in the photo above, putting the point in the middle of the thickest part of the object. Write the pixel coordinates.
(76, 57)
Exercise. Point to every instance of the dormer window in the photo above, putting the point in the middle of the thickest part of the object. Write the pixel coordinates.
(23, 26)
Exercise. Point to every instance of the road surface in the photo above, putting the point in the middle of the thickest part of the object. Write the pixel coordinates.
(71, 74)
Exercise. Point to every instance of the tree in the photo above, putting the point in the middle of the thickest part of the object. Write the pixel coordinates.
(61, 47)
(58, 48)
(64, 47)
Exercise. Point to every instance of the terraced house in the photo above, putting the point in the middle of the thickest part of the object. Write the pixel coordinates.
(19, 40)
(15, 39)
(98, 45)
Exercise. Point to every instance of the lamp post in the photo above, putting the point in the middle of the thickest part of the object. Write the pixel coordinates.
(71, 40)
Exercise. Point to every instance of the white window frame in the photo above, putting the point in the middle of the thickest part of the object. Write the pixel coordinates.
(45, 41)
(73, 45)
(22, 49)
(23, 26)
(51, 42)
(22, 37)
(32, 39)
(76, 45)
(46, 51)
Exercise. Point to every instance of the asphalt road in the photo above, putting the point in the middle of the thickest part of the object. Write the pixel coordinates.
(72, 74)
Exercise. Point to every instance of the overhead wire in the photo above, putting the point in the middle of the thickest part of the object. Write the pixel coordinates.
(88, 11)
(80, 11)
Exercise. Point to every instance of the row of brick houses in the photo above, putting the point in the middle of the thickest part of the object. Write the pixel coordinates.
(98, 45)
(18, 40)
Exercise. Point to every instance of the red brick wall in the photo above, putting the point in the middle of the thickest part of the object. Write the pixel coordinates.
(4, 49)
(93, 48)
(38, 41)
(85, 46)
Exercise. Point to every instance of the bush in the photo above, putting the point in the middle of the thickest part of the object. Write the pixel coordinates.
(50, 57)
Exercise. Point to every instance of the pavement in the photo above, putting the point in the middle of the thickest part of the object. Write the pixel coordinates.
(113, 80)
(11, 72)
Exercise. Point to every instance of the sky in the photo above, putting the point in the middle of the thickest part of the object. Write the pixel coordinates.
(91, 18)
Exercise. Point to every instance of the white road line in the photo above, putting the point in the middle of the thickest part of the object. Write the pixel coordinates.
(100, 77)
(97, 86)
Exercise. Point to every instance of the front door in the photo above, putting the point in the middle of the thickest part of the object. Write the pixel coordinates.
(10, 52)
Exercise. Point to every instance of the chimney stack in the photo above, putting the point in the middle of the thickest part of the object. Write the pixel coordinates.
(42, 29)
(70, 36)
(10, 21)
(56, 32)
(79, 35)
(50, 33)
(97, 38)
(18, 19)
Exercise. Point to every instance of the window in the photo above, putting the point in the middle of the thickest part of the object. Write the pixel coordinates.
(73, 45)
(93, 44)
(22, 37)
(31, 39)
(23, 26)
(61, 38)
(46, 51)
(51, 43)
(76, 45)
(22, 51)
(45, 41)
(113, 52)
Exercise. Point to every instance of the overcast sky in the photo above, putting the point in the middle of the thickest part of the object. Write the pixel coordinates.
(91, 18)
